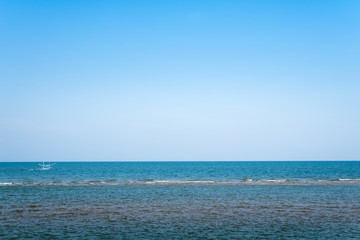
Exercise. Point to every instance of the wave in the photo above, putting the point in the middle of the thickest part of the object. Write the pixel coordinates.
(165, 182)
(275, 180)
(348, 179)
(150, 182)
(6, 184)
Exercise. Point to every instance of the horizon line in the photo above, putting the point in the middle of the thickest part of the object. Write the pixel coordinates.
(127, 161)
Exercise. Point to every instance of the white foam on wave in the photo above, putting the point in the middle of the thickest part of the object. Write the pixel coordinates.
(275, 180)
(178, 182)
(6, 183)
(243, 182)
(349, 179)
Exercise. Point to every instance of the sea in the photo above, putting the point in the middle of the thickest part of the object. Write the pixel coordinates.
(181, 200)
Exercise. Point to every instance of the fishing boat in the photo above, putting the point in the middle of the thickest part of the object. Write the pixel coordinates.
(45, 166)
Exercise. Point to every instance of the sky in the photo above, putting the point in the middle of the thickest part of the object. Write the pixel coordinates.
(179, 80)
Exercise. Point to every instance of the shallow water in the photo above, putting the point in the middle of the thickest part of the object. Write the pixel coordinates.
(181, 201)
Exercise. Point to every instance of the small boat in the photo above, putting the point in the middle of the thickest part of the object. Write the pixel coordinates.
(45, 166)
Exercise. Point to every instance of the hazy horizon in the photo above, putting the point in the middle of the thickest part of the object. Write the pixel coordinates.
(179, 80)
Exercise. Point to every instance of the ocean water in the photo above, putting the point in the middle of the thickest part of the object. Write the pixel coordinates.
(180, 200)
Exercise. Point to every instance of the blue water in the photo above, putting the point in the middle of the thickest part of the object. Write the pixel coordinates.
(181, 200)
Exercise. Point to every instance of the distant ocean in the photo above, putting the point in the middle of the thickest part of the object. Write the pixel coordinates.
(181, 200)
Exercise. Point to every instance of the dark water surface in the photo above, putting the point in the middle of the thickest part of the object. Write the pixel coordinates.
(200, 200)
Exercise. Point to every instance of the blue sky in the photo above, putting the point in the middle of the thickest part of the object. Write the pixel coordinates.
(179, 80)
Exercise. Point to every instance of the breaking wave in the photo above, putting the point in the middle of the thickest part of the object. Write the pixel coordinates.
(150, 182)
